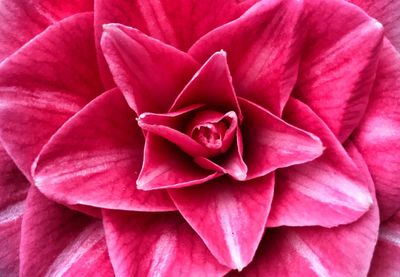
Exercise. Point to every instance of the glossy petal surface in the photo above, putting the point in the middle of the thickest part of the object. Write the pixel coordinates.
(95, 158)
(327, 191)
(378, 137)
(166, 166)
(338, 63)
(264, 64)
(387, 250)
(59, 242)
(44, 83)
(13, 191)
(228, 215)
(154, 244)
(270, 143)
(143, 67)
(314, 251)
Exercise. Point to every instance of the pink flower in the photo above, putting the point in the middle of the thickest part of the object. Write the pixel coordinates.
(199, 138)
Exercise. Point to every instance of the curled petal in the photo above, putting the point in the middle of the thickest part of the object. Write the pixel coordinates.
(95, 158)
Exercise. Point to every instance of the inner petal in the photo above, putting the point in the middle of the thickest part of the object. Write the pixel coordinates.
(213, 130)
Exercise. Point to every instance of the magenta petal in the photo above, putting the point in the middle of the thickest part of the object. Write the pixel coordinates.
(176, 22)
(314, 251)
(262, 49)
(387, 251)
(211, 85)
(388, 13)
(156, 244)
(228, 215)
(378, 137)
(270, 143)
(13, 191)
(94, 159)
(165, 166)
(143, 67)
(36, 100)
(327, 191)
(22, 20)
(339, 64)
(57, 241)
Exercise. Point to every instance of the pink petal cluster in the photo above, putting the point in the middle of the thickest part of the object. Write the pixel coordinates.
(199, 138)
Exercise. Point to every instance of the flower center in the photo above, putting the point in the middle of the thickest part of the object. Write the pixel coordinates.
(210, 134)
(213, 130)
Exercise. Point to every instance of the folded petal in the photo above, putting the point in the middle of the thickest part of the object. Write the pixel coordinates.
(211, 85)
(270, 143)
(176, 22)
(338, 63)
(378, 137)
(314, 251)
(22, 20)
(228, 215)
(166, 166)
(94, 159)
(44, 83)
(149, 73)
(59, 242)
(388, 13)
(156, 244)
(13, 191)
(327, 191)
(262, 49)
(387, 251)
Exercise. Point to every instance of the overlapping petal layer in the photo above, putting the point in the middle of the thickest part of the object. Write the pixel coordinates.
(327, 191)
(13, 191)
(387, 250)
(270, 143)
(338, 63)
(378, 137)
(228, 215)
(314, 251)
(149, 73)
(84, 164)
(156, 245)
(24, 19)
(388, 13)
(264, 64)
(44, 83)
(59, 242)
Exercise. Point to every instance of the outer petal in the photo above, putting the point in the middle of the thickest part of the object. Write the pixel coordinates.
(388, 13)
(228, 215)
(13, 190)
(270, 143)
(262, 49)
(44, 83)
(314, 251)
(387, 251)
(211, 85)
(165, 166)
(21, 20)
(338, 63)
(176, 22)
(149, 73)
(59, 242)
(378, 137)
(144, 244)
(94, 159)
(327, 191)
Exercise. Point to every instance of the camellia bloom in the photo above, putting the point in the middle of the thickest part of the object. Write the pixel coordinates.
(199, 138)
